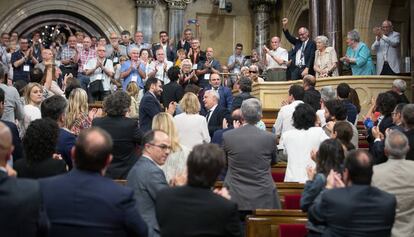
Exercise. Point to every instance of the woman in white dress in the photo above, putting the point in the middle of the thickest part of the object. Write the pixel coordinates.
(191, 126)
(176, 163)
(299, 142)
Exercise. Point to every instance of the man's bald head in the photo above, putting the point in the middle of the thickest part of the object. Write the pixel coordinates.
(92, 150)
(6, 144)
(303, 33)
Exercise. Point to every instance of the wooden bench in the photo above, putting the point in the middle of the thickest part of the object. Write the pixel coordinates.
(265, 222)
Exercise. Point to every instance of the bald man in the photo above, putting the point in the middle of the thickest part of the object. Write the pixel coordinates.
(84, 203)
(19, 198)
(303, 53)
(275, 60)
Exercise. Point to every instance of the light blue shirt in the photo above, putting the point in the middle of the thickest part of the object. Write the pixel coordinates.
(134, 74)
(363, 64)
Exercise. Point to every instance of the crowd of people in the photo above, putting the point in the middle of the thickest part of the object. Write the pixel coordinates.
(170, 126)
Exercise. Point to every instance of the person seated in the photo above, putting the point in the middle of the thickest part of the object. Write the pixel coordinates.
(187, 210)
(83, 202)
(350, 206)
(300, 141)
(330, 156)
(39, 145)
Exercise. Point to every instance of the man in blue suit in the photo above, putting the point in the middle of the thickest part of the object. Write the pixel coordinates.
(226, 96)
(147, 178)
(83, 202)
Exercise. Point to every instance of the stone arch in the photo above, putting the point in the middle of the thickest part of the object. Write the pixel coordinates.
(18, 13)
(294, 11)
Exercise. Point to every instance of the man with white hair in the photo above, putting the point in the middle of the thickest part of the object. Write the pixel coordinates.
(387, 47)
(133, 70)
(399, 86)
(327, 93)
(250, 152)
(159, 67)
(398, 183)
(215, 114)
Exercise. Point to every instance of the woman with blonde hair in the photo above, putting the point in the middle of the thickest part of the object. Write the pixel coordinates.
(136, 94)
(77, 115)
(191, 126)
(33, 96)
(175, 165)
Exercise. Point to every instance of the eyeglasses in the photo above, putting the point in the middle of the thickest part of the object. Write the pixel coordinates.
(253, 71)
(162, 146)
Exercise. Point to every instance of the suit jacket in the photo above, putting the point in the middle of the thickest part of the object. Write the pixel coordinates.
(388, 47)
(126, 137)
(170, 51)
(238, 100)
(226, 96)
(17, 143)
(400, 184)
(312, 97)
(148, 108)
(39, 169)
(83, 203)
(309, 52)
(410, 136)
(146, 179)
(20, 205)
(248, 176)
(172, 92)
(357, 210)
(187, 211)
(216, 119)
(186, 46)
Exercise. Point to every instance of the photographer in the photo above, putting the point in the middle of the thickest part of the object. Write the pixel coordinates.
(23, 61)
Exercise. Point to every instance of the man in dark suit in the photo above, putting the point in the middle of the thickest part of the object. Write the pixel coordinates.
(146, 177)
(353, 207)
(150, 105)
(245, 87)
(225, 94)
(54, 108)
(165, 44)
(312, 96)
(185, 42)
(214, 112)
(303, 53)
(187, 211)
(342, 91)
(408, 122)
(124, 132)
(172, 91)
(250, 152)
(20, 199)
(83, 202)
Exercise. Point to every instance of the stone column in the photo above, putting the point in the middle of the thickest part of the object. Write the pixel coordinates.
(176, 17)
(332, 23)
(261, 10)
(314, 18)
(145, 11)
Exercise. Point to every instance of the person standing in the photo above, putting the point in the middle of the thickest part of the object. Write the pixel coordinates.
(303, 53)
(23, 61)
(275, 60)
(358, 55)
(387, 47)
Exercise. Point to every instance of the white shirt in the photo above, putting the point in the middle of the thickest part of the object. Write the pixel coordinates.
(99, 74)
(284, 121)
(160, 74)
(192, 129)
(210, 112)
(280, 53)
(298, 145)
(299, 54)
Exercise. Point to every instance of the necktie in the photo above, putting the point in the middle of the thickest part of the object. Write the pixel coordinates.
(302, 57)
(208, 115)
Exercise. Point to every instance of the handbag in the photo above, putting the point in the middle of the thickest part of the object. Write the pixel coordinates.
(96, 87)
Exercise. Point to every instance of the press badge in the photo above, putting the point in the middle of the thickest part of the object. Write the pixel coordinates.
(194, 66)
(134, 78)
(26, 68)
(99, 77)
(115, 60)
(207, 76)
